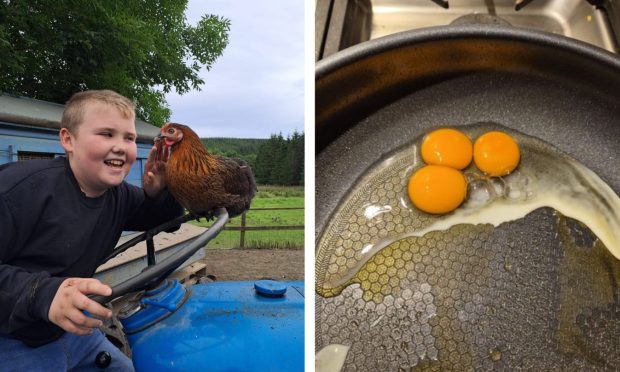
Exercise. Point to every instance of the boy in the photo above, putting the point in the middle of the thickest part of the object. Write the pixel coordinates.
(58, 219)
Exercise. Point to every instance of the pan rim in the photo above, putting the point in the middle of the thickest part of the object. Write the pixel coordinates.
(458, 32)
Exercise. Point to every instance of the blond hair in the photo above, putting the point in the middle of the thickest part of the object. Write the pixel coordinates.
(76, 106)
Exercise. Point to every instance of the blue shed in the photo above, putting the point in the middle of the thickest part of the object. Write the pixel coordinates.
(29, 130)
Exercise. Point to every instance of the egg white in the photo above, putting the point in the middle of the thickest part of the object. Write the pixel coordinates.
(545, 177)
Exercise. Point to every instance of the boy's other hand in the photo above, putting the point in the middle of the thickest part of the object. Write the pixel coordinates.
(66, 310)
(154, 179)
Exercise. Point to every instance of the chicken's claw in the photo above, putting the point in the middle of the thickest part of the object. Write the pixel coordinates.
(210, 216)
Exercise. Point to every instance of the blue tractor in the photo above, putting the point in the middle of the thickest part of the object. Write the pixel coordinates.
(216, 326)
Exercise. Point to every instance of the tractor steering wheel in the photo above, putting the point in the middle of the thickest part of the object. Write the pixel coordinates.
(155, 273)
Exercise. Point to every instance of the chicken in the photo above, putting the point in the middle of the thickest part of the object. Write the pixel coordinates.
(199, 181)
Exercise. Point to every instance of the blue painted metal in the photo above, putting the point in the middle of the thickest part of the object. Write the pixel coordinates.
(156, 305)
(16, 138)
(226, 326)
(270, 288)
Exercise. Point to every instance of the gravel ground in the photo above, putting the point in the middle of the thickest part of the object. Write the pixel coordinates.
(253, 264)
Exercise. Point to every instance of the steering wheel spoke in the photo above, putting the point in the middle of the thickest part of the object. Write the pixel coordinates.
(153, 274)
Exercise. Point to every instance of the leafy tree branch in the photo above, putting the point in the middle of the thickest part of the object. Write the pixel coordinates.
(142, 49)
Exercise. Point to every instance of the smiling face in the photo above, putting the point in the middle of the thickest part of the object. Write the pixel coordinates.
(102, 150)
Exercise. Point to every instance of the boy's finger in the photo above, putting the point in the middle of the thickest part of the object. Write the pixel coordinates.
(71, 327)
(152, 154)
(80, 320)
(94, 286)
(84, 303)
(160, 166)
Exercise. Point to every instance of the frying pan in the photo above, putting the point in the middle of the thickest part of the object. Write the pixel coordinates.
(376, 97)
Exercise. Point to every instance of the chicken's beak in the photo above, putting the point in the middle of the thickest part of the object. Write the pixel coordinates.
(158, 137)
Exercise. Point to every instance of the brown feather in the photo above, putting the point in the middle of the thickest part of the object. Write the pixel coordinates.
(202, 182)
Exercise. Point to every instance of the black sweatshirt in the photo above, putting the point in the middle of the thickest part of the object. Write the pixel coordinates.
(50, 230)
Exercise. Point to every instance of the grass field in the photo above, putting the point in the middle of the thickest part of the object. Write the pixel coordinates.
(267, 197)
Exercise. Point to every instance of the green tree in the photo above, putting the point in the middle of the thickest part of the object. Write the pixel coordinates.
(295, 158)
(280, 161)
(142, 49)
(266, 160)
(280, 169)
(244, 148)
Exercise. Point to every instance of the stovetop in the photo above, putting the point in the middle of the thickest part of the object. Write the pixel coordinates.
(341, 23)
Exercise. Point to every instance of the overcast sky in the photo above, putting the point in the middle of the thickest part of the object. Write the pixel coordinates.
(256, 88)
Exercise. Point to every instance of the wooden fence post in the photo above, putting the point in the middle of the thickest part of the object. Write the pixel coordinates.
(243, 227)
(242, 232)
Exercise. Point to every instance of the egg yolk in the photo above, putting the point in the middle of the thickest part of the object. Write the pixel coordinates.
(447, 147)
(496, 153)
(437, 189)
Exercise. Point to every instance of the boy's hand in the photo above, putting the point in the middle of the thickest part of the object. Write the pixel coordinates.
(66, 310)
(154, 179)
